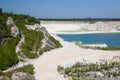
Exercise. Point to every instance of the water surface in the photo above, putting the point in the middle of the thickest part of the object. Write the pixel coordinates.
(111, 39)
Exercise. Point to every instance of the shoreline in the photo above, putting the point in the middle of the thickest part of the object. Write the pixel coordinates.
(46, 64)
(89, 32)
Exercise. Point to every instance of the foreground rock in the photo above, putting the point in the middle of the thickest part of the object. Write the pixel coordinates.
(4, 78)
(26, 72)
(19, 76)
(104, 70)
(22, 76)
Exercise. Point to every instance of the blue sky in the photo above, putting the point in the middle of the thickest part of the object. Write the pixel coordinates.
(64, 8)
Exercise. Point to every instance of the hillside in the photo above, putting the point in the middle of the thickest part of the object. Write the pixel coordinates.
(18, 43)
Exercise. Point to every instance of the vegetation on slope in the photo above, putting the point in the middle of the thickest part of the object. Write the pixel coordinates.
(32, 43)
(109, 48)
(55, 41)
(8, 56)
(90, 71)
(27, 69)
(113, 48)
(30, 47)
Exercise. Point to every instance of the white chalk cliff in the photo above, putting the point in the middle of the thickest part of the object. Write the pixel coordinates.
(60, 26)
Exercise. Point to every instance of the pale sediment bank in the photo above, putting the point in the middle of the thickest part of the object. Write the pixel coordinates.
(82, 32)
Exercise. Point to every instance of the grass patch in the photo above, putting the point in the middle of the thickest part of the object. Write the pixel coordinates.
(109, 48)
(57, 43)
(89, 70)
(30, 55)
(8, 56)
(27, 69)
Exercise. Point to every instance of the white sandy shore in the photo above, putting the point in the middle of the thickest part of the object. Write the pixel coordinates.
(46, 65)
(82, 32)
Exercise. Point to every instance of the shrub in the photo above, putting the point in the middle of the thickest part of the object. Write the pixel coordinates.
(8, 56)
(30, 55)
(27, 68)
(55, 41)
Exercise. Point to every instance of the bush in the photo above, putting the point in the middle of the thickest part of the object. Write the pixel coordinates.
(57, 43)
(8, 56)
(30, 55)
(110, 48)
(87, 70)
(27, 68)
(32, 43)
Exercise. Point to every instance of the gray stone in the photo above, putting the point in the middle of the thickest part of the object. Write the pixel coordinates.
(46, 42)
(22, 76)
(4, 78)
(14, 29)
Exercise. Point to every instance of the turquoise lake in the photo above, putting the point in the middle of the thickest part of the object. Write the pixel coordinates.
(111, 39)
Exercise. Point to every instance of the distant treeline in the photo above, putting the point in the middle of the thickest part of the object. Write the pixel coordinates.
(80, 19)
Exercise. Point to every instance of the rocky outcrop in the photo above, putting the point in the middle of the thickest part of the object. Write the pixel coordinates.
(46, 41)
(14, 29)
(22, 76)
(33, 27)
(4, 78)
(19, 76)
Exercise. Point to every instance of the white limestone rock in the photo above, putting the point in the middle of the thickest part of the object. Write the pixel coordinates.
(4, 78)
(46, 42)
(22, 76)
(33, 27)
(14, 29)
(10, 22)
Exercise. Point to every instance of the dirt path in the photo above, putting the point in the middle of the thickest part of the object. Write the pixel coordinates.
(19, 44)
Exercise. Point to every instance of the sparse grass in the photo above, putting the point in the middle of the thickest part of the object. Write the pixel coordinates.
(32, 43)
(56, 42)
(87, 70)
(109, 48)
(27, 69)
(8, 56)
(30, 55)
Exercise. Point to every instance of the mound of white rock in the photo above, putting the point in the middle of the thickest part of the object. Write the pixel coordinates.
(14, 29)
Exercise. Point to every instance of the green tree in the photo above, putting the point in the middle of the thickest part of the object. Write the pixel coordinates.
(0, 10)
